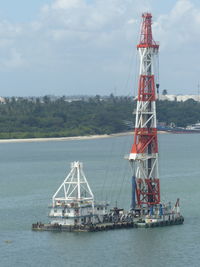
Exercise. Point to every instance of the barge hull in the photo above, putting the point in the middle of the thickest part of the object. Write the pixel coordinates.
(104, 226)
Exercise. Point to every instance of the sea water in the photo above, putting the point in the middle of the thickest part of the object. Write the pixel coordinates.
(30, 173)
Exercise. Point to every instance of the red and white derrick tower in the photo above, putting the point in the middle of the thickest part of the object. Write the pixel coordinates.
(144, 153)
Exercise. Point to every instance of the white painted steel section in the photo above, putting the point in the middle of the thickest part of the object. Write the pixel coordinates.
(75, 187)
(147, 60)
(73, 202)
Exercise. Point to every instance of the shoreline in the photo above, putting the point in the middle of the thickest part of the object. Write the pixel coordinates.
(71, 138)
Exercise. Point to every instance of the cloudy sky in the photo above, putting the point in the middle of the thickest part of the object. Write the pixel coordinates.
(67, 47)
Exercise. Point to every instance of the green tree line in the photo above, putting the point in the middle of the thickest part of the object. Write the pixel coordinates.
(23, 118)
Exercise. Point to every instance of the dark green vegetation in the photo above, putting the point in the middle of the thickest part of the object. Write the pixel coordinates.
(23, 118)
(179, 113)
(28, 119)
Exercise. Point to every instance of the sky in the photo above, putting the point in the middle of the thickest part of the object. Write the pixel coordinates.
(88, 47)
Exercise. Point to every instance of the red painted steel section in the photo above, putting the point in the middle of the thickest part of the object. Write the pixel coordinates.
(146, 91)
(146, 37)
(143, 138)
(152, 193)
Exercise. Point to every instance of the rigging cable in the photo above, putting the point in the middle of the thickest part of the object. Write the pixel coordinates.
(125, 88)
(126, 178)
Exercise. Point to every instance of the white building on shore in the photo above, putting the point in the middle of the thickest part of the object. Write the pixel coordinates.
(179, 98)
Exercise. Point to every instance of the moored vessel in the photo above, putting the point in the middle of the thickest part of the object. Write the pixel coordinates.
(193, 128)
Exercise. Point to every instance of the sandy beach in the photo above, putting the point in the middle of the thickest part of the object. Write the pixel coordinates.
(88, 137)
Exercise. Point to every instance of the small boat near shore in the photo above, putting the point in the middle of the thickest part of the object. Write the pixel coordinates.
(194, 128)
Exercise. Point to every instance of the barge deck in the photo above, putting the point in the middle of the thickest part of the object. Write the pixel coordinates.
(105, 226)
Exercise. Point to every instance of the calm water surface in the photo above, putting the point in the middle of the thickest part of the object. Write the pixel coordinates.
(30, 173)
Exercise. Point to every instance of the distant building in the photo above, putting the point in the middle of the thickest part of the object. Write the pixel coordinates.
(2, 100)
(179, 98)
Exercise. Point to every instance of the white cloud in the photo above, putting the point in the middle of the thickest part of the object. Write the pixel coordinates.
(180, 26)
(181, 8)
(10, 57)
(92, 40)
(65, 4)
(100, 24)
(132, 21)
(178, 33)
(71, 25)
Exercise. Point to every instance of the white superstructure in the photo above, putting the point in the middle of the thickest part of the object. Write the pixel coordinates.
(73, 203)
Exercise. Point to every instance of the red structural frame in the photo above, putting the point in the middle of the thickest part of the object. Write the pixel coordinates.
(144, 137)
(146, 90)
(153, 192)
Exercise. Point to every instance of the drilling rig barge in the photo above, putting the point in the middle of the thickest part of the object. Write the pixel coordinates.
(76, 210)
(73, 207)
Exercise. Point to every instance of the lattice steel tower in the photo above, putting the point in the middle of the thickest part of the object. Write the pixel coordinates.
(144, 153)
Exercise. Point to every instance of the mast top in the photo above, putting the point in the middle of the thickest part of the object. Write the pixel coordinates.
(146, 36)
